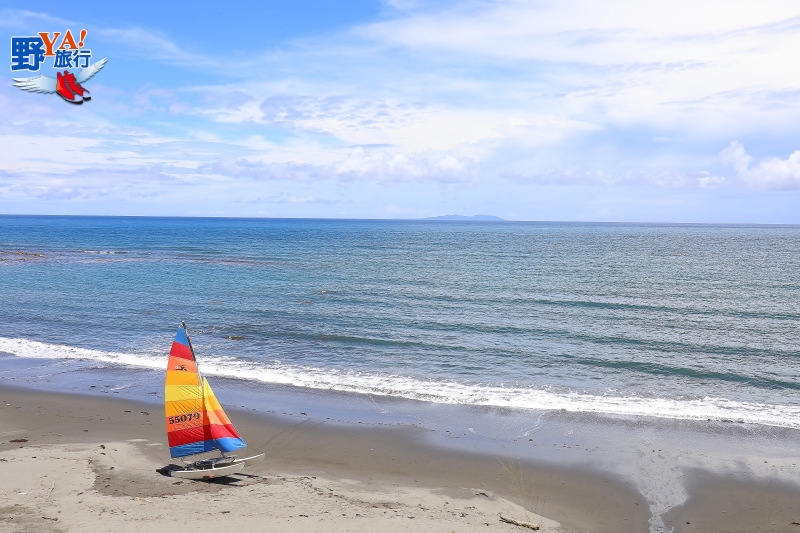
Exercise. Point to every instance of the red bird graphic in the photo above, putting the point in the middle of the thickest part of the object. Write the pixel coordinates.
(67, 85)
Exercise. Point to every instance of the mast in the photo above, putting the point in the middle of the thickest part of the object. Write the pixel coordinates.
(189, 341)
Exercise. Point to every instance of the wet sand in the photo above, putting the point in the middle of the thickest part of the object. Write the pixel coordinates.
(102, 455)
(71, 462)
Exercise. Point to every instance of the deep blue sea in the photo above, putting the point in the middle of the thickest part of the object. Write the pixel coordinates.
(655, 320)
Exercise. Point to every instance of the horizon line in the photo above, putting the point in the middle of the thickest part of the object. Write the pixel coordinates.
(433, 219)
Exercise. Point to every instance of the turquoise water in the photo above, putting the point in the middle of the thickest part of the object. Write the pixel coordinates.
(671, 321)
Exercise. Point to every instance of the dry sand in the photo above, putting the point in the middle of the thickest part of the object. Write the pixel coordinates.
(81, 463)
(82, 487)
(89, 464)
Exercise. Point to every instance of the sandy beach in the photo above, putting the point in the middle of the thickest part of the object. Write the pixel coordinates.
(82, 463)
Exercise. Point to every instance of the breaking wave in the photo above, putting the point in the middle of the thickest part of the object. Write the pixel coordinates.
(439, 391)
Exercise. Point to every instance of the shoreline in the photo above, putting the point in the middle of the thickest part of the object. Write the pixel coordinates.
(398, 462)
(379, 460)
(728, 408)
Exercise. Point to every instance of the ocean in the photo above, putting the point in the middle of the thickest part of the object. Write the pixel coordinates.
(628, 321)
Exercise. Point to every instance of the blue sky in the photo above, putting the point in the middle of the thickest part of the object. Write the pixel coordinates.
(541, 110)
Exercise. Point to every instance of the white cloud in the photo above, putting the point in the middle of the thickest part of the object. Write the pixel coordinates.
(159, 47)
(16, 18)
(433, 96)
(386, 167)
(360, 121)
(89, 183)
(360, 164)
(43, 153)
(686, 65)
(595, 32)
(284, 197)
(657, 177)
(771, 173)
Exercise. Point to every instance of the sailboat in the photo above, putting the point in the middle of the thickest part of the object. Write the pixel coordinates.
(196, 422)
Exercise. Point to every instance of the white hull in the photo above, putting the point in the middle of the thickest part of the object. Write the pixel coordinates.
(208, 473)
(250, 461)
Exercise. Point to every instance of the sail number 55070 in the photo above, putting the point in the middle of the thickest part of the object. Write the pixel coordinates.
(177, 419)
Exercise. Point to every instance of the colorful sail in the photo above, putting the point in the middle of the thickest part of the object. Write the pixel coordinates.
(196, 422)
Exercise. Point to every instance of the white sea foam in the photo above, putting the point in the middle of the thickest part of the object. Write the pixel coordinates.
(41, 350)
(439, 391)
(102, 252)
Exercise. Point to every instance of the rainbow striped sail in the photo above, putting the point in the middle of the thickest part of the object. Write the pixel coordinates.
(196, 422)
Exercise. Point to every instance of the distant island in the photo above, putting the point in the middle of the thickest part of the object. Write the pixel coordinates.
(483, 218)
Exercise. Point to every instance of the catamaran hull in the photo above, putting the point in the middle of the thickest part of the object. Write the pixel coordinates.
(250, 461)
(208, 473)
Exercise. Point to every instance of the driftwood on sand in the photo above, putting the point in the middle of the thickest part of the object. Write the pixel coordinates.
(520, 523)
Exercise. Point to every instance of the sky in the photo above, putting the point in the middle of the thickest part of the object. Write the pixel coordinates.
(563, 110)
